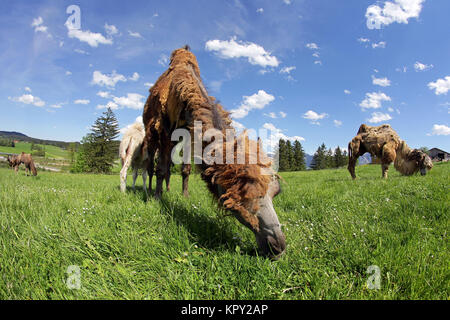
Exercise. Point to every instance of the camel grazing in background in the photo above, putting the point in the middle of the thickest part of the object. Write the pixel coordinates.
(132, 154)
(177, 100)
(16, 160)
(13, 162)
(384, 143)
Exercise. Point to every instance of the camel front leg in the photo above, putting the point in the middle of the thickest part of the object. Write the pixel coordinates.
(144, 179)
(185, 172)
(351, 166)
(387, 157)
(161, 169)
(168, 177)
(151, 168)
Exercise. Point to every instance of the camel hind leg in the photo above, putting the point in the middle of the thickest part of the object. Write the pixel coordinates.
(123, 173)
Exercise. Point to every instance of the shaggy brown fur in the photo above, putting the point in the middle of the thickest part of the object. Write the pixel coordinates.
(384, 143)
(179, 98)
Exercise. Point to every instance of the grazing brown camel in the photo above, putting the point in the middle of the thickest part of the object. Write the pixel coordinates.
(25, 158)
(384, 143)
(179, 100)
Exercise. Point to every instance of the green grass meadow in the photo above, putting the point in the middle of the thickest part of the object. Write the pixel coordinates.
(178, 248)
(50, 151)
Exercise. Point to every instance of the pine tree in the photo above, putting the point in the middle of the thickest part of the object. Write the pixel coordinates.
(289, 156)
(329, 162)
(102, 150)
(283, 159)
(299, 163)
(339, 160)
(319, 160)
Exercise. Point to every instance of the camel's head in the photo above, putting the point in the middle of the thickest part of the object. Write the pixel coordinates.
(425, 164)
(423, 161)
(261, 218)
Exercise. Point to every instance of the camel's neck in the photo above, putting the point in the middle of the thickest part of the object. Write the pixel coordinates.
(402, 162)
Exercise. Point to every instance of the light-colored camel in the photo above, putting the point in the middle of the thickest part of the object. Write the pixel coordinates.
(131, 154)
(385, 144)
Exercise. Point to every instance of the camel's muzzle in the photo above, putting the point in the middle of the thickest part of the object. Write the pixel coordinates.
(271, 240)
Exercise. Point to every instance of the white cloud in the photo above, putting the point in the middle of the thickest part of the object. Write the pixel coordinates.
(101, 79)
(379, 117)
(132, 100)
(287, 69)
(111, 29)
(255, 54)
(318, 62)
(275, 134)
(134, 77)
(56, 106)
(283, 114)
(381, 44)
(38, 25)
(104, 94)
(383, 82)
(314, 116)
(316, 55)
(337, 123)
(81, 51)
(260, 10)
(149, 84)
(28, 89)
(398, 11)
(91, 38)
(441, 86)
(402, 69)
(312, 46)
(363, 40)
(256, 101)
(110, 104)
(28, 99)
(287, 1)
(134, 34)
(271, 115)
(422, 67)
(347, 91)
(440, 130)
(82, 101)
(68, 73)
(373, 100)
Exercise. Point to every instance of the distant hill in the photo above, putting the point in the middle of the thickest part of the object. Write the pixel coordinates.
(23, 137)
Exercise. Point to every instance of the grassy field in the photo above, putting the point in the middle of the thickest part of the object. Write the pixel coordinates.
(180, 248)
(50, 151)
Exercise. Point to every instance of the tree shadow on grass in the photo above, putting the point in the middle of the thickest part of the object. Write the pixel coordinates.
(209, 232)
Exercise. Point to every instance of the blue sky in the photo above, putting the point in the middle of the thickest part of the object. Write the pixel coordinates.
(307, 69)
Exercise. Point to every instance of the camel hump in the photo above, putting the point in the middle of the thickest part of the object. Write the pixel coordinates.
(363, 128)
